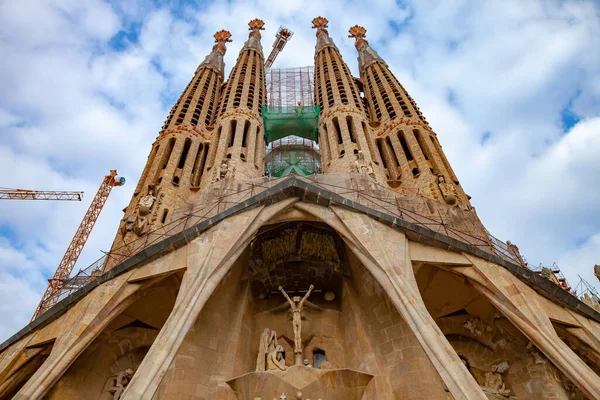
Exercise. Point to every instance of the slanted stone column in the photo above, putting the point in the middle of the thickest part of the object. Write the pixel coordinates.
(210, 257)
(83, 323)
(377, 246)
(518, 302)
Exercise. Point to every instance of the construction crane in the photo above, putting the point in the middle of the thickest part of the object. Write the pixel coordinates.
(56, 283)
(281, 38)
(24, 194)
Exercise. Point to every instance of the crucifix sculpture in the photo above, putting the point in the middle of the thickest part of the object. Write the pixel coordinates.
(297, 305)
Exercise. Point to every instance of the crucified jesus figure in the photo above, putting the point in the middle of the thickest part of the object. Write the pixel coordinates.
(297, 306)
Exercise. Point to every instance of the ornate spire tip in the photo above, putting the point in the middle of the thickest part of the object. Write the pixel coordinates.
(320, 22)
(357, 32)
(256, 25)
(223, 36)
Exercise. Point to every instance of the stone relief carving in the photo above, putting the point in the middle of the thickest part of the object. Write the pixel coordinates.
(296, 307)
(591, 301)
(116, 384)
(447, 189)
(494, 383)
(362, 166)
(268, 343)
(137, 222)
(225, 171)
(275, 360)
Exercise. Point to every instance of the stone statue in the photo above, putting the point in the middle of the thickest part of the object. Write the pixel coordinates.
(126, 224)
(144, 208)
(597, 271)
(514, 251)
(494, 384)
(361, 166)
(147, 201)
(116, 384)
(275, 360)
(297, 305)
(448, 190)
(268, 343)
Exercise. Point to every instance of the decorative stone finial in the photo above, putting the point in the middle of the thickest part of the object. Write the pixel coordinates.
(320, 24)
(323, 39)
(366, 55)
(221, 38)
(357, 32)
(215, 58)
(254, 26)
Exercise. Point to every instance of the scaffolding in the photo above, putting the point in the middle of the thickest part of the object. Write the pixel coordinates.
(291, 123)
(289, 86)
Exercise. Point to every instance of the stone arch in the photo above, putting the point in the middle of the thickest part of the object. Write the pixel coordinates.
(122, 344)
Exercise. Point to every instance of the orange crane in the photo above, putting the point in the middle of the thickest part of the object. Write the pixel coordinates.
(282, 36)
(24, 194)
(56, 283)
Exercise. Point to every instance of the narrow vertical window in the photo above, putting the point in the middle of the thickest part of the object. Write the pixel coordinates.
(245, 135)
(382, 153)
(164, 216)
(351, 129)
(232, 128)
(388, 141)
(184, 153)
(336, 125)
(405, 147)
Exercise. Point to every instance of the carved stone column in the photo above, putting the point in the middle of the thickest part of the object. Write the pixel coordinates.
(518, 302)
(376, 246)
(84, 322)
(210, 257)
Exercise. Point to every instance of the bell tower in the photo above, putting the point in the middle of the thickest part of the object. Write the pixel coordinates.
(177, 160)
(239, 144)
(410, 151)
(344, 134)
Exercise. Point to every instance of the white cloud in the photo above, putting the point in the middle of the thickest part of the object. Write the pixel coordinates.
(72, 107)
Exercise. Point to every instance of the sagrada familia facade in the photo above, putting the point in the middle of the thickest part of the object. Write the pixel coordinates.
(373, 279)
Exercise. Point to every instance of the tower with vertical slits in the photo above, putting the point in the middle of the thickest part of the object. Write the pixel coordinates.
(177, 162)
(405, 295)
(239, 145)
(410, 152)
(344, 133)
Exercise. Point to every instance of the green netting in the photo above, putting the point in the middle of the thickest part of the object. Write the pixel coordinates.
(300, 121)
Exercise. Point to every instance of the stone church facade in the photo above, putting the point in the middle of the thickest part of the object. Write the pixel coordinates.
(372, 280)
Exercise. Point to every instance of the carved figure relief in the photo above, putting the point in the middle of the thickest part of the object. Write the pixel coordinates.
(447, 189)
(116, 384)
(361, 166)
(268, 343)
(140, 222)
(224, 171)
(494, 383)
(275, 360)
(476, 327)
(296, 307)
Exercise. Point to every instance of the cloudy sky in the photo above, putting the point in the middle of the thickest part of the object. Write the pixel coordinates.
(512, 88)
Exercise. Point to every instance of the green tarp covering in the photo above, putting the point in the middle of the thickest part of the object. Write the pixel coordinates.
(285, 121)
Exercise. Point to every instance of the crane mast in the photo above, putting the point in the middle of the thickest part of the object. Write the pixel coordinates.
(56, 283)
(281, 38)
(24, 194)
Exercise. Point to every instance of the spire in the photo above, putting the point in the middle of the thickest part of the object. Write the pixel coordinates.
(253, 42)
(215, 58)
(323, 39)
(366, 54)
